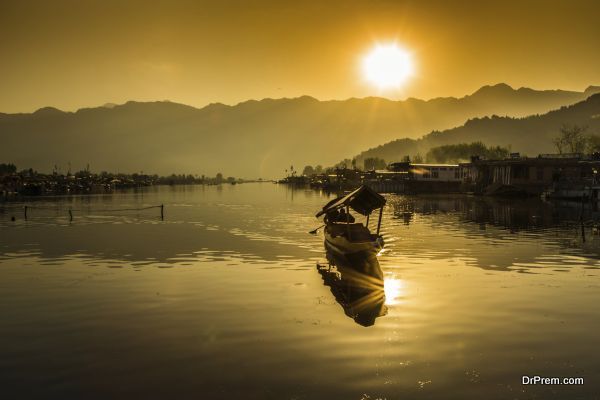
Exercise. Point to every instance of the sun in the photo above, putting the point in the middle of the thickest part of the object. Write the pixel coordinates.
(388, 66)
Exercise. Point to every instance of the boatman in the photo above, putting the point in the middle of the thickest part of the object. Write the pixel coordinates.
(343, 217)
(331, 216)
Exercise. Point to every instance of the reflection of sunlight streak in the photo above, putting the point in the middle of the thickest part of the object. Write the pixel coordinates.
(362, 280)
(372, 298)
(419, 171)
(393, 290)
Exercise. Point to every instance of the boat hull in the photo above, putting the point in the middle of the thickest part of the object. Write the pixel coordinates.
(341, 245)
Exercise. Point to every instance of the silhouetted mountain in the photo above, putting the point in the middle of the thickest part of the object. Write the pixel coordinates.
(250, 139)
(529, 135)
(590, 90)
(47, 111)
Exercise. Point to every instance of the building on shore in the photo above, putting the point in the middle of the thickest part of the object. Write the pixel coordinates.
(428, 172)
(547, 173)
(567, 176)
(429, 178)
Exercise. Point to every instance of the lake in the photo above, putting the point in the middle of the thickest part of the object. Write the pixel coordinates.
(223, 299)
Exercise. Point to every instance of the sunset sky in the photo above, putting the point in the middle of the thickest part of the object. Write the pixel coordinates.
(73, 54)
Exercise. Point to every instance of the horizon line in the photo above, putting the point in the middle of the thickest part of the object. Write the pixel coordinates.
(114, 104)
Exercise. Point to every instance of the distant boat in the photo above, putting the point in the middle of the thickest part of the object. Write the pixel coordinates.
(346, 237)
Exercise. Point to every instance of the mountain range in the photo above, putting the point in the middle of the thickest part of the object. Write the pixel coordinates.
(263, 138)
(529, 136)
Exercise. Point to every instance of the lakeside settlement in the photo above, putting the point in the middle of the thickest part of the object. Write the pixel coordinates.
(29, 182)
(561, 176)
(564, 176)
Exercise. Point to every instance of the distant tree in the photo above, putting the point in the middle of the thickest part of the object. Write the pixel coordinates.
(343, 164)
(373, 163)
(454, 153)
(559, 143)
(406, 158)
(6, 169)
(28, 172)
(308, 171)
(219, 178)
(593, 144)
(572, 138)
(230, 179)
(496, 153)
(85, 173)
(418, 159)
(354, 163)
(318, 169)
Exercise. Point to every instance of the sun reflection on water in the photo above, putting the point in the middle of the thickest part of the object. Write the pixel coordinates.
(393, 288)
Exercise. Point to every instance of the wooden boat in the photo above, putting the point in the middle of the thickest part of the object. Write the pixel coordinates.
(347, 238)
(359, 240)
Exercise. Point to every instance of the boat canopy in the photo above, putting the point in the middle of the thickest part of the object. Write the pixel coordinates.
(363, 200)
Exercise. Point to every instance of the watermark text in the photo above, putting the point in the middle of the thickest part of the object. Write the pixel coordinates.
(543, 380)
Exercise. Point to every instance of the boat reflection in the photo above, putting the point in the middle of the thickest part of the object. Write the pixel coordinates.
(356, 281)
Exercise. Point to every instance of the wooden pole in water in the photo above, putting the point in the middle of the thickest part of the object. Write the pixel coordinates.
(348, 220)
(70, 215)
(162, 212)
(368, 215)
(581, 209)
(25, 212)
(379, 222)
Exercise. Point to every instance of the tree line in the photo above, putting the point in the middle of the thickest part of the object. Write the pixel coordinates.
(462, 152)
(453, 153)
(574, 139)
(369, 164)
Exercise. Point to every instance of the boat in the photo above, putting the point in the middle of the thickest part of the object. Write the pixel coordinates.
(573, 192)
(347, 237)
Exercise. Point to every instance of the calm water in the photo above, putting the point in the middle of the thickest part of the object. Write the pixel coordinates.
(223, 300)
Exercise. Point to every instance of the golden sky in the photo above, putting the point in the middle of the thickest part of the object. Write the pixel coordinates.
(73, 54)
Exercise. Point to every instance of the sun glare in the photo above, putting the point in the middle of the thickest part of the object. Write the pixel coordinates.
(387, 66)
(393, 290)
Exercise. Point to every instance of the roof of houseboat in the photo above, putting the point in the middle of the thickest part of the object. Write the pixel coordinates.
(362, 200)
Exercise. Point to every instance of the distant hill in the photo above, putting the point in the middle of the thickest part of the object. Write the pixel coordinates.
(529, 135)
(251, 139)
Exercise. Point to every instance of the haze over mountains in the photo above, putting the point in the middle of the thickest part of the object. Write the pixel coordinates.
(263, 138)
(529, 136)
